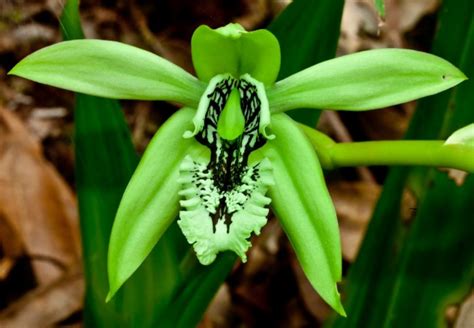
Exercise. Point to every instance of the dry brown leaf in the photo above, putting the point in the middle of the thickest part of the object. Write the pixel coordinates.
(359, 19)
(47, 305)
(217, 314)
(408, 206)
(26, 34)
(10, 246)
(457, 176)
(405, 14)
(312, 301)
(386, 124)
(257, 11)
(465, 317)
(36, 203)
(261, 257)
(362, 29)
(6, 265)
(354, 202)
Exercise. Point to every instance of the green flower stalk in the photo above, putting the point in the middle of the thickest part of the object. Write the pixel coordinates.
(220, 162)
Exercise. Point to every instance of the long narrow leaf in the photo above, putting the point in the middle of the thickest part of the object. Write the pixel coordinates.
(105, 160)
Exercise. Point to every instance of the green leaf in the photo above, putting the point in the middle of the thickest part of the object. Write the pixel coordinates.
(150, 202)
(308, 32)
(302, 203)
(463, 136)
(380, 6)
(70, 21)
(189, 304)
(365, 80)
(110, 69)
(105, 161)
(230, 49)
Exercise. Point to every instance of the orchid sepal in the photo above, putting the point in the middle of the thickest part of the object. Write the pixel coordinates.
(151, 198)
(233, 50)
(302, 203)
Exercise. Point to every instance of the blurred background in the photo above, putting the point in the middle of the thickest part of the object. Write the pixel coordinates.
(41, 280)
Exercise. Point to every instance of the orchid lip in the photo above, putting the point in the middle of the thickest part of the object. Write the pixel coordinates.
(224, 198)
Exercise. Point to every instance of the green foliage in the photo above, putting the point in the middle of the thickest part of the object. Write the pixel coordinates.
(105, 161)
(197, 290)
(380, 6)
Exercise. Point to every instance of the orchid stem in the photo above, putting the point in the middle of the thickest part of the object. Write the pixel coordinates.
(420, 152)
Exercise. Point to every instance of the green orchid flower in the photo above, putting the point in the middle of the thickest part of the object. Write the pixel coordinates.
(220, 162)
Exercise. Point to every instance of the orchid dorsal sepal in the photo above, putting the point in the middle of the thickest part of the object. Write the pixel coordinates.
(366, 80)
(231, 49)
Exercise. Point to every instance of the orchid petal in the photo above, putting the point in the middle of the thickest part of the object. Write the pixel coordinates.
(151, 201)
(232, 50)
(110, 69)
(302, 203)
(365, 80)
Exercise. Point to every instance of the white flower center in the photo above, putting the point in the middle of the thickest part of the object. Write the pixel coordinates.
(224, 199)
